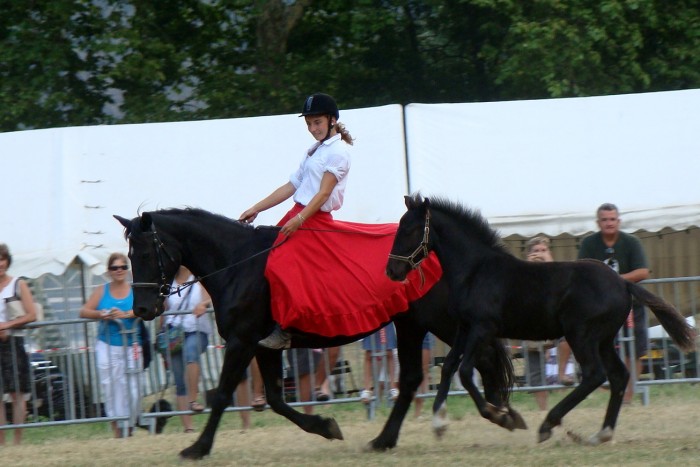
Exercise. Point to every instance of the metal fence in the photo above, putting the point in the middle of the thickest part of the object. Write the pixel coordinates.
(65, 388)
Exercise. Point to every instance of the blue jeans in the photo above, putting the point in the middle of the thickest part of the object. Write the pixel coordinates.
(195, 344)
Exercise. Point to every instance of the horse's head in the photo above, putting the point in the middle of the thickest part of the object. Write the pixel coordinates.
(154, 260)
(412, 242)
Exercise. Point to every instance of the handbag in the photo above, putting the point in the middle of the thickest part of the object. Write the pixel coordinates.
(14, 308)
(172, 336)
(170, 339)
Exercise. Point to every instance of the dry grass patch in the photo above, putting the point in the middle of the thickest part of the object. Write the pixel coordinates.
(663, 433)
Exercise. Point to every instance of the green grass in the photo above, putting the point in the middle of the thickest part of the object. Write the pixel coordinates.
(458, 407)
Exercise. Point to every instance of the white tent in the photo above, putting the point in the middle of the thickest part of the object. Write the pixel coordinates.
(530, 166)
(545, 166)
(69, 182)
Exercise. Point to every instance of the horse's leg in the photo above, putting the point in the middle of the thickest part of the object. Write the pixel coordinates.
(409, 339)
(449, 368)
(585, 349)
(494, 364)
(618, 376)
(236, 358)
(495, 414)
(270, 364)
(475, 337)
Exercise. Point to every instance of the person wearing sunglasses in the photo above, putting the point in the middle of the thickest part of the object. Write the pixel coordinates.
(117, 350)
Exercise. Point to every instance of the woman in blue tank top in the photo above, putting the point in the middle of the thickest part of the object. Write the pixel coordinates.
(117, 349)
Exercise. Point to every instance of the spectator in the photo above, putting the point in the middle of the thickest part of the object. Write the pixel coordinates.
(624, 254)
(259, 402)
(242, 399)
(14, 363)
(426, 355)
(303, 364)
(553, 368)
(322, 378)
(537, 249)
(197, 326)
(380, 345)
(563, 363)
(112, 303)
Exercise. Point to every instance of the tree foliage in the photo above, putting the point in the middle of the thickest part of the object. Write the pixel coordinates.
(82, 62)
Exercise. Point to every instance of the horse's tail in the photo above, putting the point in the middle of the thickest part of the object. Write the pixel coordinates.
(672, 321)
(497, 358)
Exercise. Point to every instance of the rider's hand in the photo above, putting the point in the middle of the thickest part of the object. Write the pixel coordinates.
(248, 216)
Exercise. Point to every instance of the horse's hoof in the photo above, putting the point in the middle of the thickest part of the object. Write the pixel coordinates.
(501, 416)
(439, 431)
(375, 446)
(518, 420)
(334, 430)
(603, 436)
(440, 421)
(544, 436)
(192, 453)
(504, 421)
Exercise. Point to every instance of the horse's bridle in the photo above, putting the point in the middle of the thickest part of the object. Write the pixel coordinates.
(421, 249)
(164, 289)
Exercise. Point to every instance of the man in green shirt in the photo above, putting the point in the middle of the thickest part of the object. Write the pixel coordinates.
(623, 253)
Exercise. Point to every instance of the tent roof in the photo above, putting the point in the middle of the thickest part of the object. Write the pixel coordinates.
(578, 223)
(545, 166)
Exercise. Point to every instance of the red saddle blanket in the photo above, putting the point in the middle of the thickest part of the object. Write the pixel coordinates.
(328, 277)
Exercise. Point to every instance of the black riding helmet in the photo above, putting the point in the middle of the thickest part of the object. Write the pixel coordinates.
(320, 104)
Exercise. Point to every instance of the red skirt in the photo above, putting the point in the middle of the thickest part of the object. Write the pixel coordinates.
(328, 277)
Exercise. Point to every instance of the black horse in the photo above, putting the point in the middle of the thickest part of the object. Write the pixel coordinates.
(230, 259)
(495, 294)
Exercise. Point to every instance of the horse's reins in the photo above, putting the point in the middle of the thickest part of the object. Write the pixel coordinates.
(422, 249)
(165, 289)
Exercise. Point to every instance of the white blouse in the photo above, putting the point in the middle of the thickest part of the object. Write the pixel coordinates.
(333, 155)
(7, 292)
(187, 300)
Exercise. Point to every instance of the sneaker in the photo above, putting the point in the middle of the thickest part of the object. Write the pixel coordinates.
(278, 339)
(393, 394)
(365, 396)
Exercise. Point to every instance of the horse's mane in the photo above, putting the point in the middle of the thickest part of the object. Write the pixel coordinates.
(472, 219)
(202, 215)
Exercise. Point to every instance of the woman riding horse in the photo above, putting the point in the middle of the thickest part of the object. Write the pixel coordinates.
(229, 259)
(324, 279)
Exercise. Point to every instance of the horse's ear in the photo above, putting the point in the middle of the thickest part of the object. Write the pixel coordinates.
(413, 201)
(146, 222)
(125, 222)
(426, 203)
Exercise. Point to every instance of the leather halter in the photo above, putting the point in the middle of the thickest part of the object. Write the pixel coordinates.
(422, 249)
